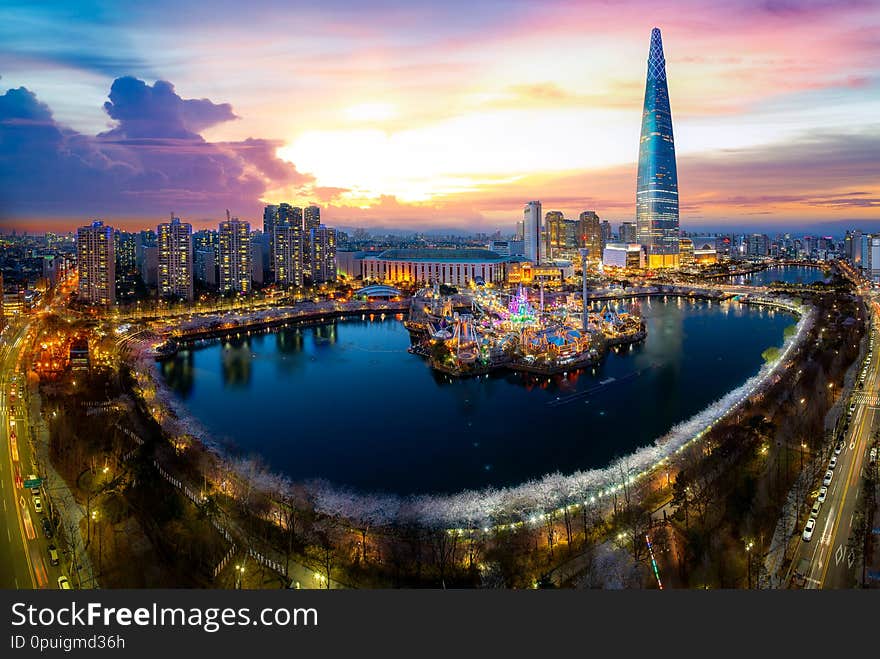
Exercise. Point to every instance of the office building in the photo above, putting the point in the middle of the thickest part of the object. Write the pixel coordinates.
(627, 232)
(591, 236)
(533, 231)
(757, 245)
(554, 233)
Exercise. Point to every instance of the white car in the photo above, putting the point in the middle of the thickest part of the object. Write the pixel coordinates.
(828, 476)
(38, 504)
(817, 505)
(839, 447)
(808, 529)
(823, 492)
(833, 463)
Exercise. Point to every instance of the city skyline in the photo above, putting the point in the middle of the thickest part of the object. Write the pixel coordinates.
(459, 134)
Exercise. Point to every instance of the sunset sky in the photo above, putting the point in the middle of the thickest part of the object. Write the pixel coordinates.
(444, 114)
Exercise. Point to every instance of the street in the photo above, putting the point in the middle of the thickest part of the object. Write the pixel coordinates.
(831, 564)
(24, 557)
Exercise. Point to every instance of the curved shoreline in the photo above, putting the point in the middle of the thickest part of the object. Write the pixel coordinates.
(489, 507)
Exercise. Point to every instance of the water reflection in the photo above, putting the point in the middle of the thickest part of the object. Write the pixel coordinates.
(235, 363)
(369, 414)
(179, 372)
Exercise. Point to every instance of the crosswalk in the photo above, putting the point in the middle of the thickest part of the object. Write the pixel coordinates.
(871, 399)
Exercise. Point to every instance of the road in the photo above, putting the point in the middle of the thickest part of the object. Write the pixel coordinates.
(24, 558)
(832, 565)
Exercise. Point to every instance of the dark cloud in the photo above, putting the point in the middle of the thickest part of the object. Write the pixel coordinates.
(157, 111)
(154, 161)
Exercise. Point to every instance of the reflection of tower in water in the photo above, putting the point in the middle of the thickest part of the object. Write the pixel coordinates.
(179, 372)
(236, 362)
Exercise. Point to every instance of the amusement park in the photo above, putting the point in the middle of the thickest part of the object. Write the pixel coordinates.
(486, 329)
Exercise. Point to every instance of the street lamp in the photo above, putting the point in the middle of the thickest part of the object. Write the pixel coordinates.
(749, 546)
(239, 575)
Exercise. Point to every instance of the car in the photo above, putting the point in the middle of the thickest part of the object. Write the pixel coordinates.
(54, 559)
(852, 408)
(814, 511)
(64, 583)
(828, 476)
(873, 455)
(833, 463)
(839, 447)
(823, 492)
(47, 528)
(808, 529)
(38, 504)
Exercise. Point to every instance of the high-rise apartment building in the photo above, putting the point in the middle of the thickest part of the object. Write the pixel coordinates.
(322, 242)
(235, 255)
(205, 266)
(126, 256)
(657, 202)
(175, 259)
(96, 264)
(287, 255)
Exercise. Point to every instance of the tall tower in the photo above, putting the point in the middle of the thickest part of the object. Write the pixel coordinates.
(657, 186)
(532, 233)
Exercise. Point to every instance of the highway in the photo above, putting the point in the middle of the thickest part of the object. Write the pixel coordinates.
(24, 558)
(831, 563)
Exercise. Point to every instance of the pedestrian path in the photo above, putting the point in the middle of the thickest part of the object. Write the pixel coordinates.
(70, 512)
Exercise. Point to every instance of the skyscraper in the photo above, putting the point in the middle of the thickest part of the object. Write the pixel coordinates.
(175, 259)
(532, 231)
(657, 186)
(554, 233)
(627, 232)
(235, 255)
(606, 232)
(96, 264)
(590, 235)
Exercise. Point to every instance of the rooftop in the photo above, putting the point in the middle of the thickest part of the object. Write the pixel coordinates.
(444, 255)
